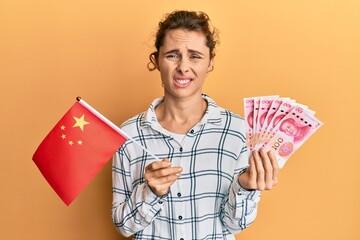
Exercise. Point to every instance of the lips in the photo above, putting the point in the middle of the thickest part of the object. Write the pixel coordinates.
(182, 82)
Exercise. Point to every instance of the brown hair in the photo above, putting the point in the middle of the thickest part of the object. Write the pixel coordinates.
(188, 20)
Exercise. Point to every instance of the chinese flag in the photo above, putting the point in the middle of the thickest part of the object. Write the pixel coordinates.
(76, 149)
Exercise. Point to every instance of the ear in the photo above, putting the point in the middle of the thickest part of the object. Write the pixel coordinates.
(156, 63)
(156, 60)
(211, 65)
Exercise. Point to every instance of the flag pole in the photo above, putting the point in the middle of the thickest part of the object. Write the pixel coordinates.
(112, 125)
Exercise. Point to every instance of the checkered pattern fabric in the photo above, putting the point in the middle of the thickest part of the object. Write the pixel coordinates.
(206, 202)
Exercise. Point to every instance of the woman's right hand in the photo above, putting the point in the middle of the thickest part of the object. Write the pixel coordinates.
(160, 175)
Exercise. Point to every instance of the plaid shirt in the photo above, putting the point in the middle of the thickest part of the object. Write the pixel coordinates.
(206, 202)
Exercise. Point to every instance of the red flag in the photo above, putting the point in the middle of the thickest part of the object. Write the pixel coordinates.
(76, 149)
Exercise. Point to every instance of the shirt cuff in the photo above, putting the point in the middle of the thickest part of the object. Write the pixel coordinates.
(152, 199)
(242, 193)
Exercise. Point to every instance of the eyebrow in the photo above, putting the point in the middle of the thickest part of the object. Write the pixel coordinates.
(189, 50)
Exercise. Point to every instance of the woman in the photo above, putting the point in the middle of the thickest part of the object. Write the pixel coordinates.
(202, 189)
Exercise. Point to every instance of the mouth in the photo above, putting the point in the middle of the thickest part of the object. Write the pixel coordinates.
(290, 131)
(182, 82)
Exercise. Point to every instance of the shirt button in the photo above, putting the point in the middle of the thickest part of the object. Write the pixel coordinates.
(181, 239)
(192, 131)
(181, 149)
(180, 217)
(179, 194)
(160, 202)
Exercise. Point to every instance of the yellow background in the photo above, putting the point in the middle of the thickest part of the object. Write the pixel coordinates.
(53, 51)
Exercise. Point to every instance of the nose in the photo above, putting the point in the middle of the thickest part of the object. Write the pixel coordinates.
(183, 66)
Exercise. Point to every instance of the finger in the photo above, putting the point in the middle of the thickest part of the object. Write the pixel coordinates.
(259, 171)
(252, 173)
(168, 179)
(275, 166)
(158, 165)
(268, 169)
(163, 172)
(161, 185)
(252, 167)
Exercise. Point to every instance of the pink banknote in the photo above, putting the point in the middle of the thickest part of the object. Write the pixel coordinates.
(281, 112)
(255, 118)
(279, 124)
(251, 111)
(291, 132)
(249, 116)
(264, 107)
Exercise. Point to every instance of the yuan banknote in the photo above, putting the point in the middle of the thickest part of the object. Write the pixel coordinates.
(280, 124)
(291, 132)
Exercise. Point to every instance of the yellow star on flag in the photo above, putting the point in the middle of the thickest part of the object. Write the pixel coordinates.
(80, 122)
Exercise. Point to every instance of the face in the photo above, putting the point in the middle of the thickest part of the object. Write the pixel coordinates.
(183, 62)
(289, 128)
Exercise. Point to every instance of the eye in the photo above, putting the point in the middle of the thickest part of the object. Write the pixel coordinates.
(172, 56)
(195, 57)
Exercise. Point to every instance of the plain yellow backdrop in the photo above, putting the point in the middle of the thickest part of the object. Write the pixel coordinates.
(53, 51)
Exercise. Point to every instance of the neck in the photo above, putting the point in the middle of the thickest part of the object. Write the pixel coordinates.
(180, 115)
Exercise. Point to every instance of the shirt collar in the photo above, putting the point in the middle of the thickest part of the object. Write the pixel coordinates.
(211, 116)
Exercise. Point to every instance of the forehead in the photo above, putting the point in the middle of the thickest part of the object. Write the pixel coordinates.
(181, 38)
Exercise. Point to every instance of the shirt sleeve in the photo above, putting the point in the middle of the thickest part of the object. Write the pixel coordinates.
(240, 207)
(133, 208)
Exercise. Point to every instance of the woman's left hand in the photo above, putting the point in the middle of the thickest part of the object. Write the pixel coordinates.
(262, 174)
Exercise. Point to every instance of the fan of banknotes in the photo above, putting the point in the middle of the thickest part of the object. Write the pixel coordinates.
(278, 124)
